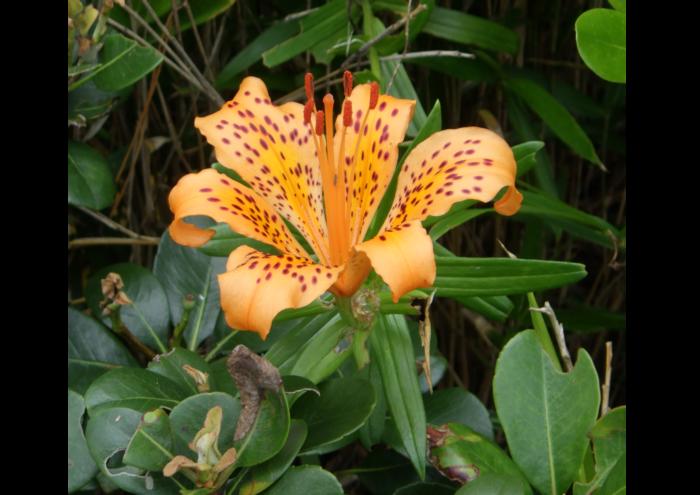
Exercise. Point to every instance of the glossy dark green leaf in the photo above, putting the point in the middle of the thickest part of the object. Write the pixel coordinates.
(502, 276)
(306, 480)
(170, 365)
(92, 351)
(262, 476)
(204, 10)
(252, 52)
(385, 471)
(609, 437)
(90, 182)
(151, 446)
(601, 38)
(88, 102)
(464, 451)
(108, 433)
(285, 352)
(122, 63)
(453, 25)
(371, 432)
(185, 271)
(557, 118)
(81, 467)
(391, 347)
(545, 413)
(425, 488)
(494, 484)
(187, 418)
(219, 379)
(268, 434)
(296, 386)
(133, 388)
(315, 28)
(525, 154)
(148, 317)
(341, 409)
(456, 405)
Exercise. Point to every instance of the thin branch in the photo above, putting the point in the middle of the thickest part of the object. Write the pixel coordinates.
(427, 54)
(112, 241)
(302, 13)
(391, 29)
(558, 333)
(112, 224)
(405, 47)
(604, 405)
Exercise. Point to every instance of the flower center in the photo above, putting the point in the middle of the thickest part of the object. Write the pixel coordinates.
(333, 177)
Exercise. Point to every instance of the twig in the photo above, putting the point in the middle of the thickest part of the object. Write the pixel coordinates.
(113, 225)
(198, 40)
(558, 333)
(427, 54)
(112, 241)
(302, 13)
(405, 49)
(391, 29)
(604, 405)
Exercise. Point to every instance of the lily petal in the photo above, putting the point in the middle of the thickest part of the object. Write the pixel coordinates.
(403, 257)
(215, 195)
(273, 151)
(451, 166)
(257, 286)
(370, 152)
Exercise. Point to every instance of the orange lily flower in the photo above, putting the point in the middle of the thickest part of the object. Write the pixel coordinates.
(328, 183)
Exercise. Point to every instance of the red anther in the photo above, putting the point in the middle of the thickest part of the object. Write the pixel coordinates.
(373, 95)
(347, 113)
(308, 108)
(347, 83)
(319, 122)
(309, 85)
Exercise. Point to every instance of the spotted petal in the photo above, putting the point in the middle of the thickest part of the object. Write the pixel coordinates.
(451, 166)
(272, 150)
(213, 194)
(403, 257)
(257, 286)
(370, 153)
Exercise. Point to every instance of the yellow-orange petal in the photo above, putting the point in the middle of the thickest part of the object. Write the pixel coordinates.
(370, 153)
(354, 273)
(217, 196)
(272, 149)
(403, 256)
(451, 166)
(257, 286)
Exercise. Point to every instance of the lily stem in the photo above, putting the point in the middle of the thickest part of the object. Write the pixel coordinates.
(125, 334)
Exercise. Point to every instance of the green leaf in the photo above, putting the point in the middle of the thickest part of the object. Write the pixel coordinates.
(390, 346)
(525, 155)
(403, 88)
(332, 416)
(285, 352)
(502, 276)
(455, 219)
(148, 317)
(433, 123)
(545, 413)
(425, 488)
(219, 379)
(151, 446)
(252, 52)
(269, 432)
(296, 386)
(224, 241)
(385, 471)
(619, 5)
(601, 41)
(464, 451)
(557, 118)
(133, 388)
(609, 437)
(90, 182)
(459, 27)
(371, 432)
(456, 405)
(203, 11)
(187, 418)
(587, 319)
(81, 467)
(306, 480)
(494, 484)
(170, 365)
(123, 63)
(184, 271)
(263, 475)
(108, 433)
(315, 28)
(92, 351)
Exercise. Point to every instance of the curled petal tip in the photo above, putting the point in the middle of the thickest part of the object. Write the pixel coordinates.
(510, 203)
